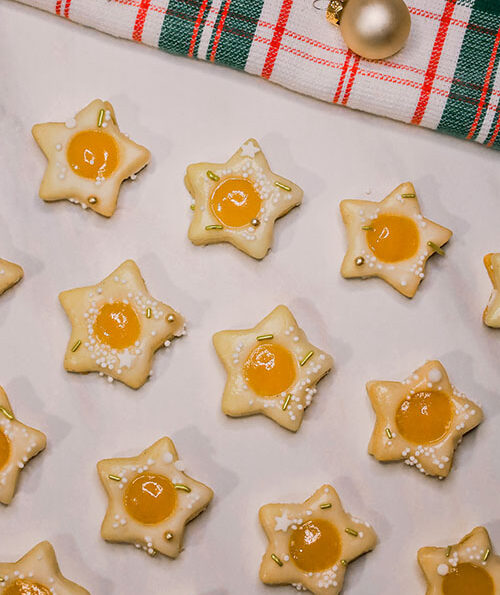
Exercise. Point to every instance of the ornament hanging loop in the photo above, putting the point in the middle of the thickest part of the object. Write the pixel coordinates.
(320, 4)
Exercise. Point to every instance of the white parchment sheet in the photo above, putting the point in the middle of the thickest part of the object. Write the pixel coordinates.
(186, 112)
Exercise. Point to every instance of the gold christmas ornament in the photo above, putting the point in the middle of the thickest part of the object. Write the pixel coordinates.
(374, 29)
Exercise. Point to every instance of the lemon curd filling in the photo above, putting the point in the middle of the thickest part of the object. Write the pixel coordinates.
(117, 325)
(92, 154)
(4, 449)
(235, 202)
(393, 238)
(150, 498)
(24, 587)
(270, 369)
(425, 417)
(468, 579)
(315, 546)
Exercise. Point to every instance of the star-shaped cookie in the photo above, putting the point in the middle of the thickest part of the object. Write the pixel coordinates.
(421, 420)
(239, 201)
(10, 274)
(467, 568)
(491, 315)
(18, 444)
(88, 158)
(117, 326)
(271, 368)
(151, 499)
(37, 573)
(311, 544)
(390, 239)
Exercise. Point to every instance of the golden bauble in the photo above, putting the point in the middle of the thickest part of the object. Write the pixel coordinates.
(375, 28)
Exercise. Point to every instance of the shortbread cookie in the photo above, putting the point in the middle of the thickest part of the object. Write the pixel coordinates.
(491, 315)
(390, 239)
(18, 444)
(151, 499)
(117, 326)
(467, 568)
(271, 369)
(10, 274)
(421, 420)
(239, 201)
(37, 573)
(311, 544)
(88, 158)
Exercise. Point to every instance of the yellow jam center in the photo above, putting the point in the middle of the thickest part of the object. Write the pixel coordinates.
(4, 449)
(117, 325)
(393, 238)
(424, 417)
(315, 546)
(468, 579)
(92, 154)
(235, 202)
(23, 587)
(270, 369)
(150, 498)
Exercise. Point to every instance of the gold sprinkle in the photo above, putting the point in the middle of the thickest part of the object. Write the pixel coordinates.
(436, 248)
(287, 400)
(352, 532)
(325, 505)
(359, 261)
(448, 551)
(212, 176)
(115, 477)
(307, 358)
(192, 207)
(389, 433)
(182, 487)
(7, 413)
(343, 562)
(148, 312)
(255, 222)
(209, 227)
(367, 228)
(486, 555)
(264, 337)
(275, 558)
(283, 186)
(76, 345)
(100, 118)
(170, 318)
(168, 536)
(408, 195)
(92, 200)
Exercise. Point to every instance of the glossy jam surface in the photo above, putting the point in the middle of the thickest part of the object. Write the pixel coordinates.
(150, 498)
(393, 238)
(92, 154)
(235, 202)
(270, 369)
(468, 579)
(117, 325)
(4, 449)
(425, 417)
(24, 587)
(315, 546)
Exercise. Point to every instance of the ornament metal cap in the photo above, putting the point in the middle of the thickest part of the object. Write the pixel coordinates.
(334, 10)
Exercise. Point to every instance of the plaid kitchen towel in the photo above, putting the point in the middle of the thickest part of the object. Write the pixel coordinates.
(446, 78)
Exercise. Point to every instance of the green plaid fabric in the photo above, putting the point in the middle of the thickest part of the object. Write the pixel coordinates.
(446, 78)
